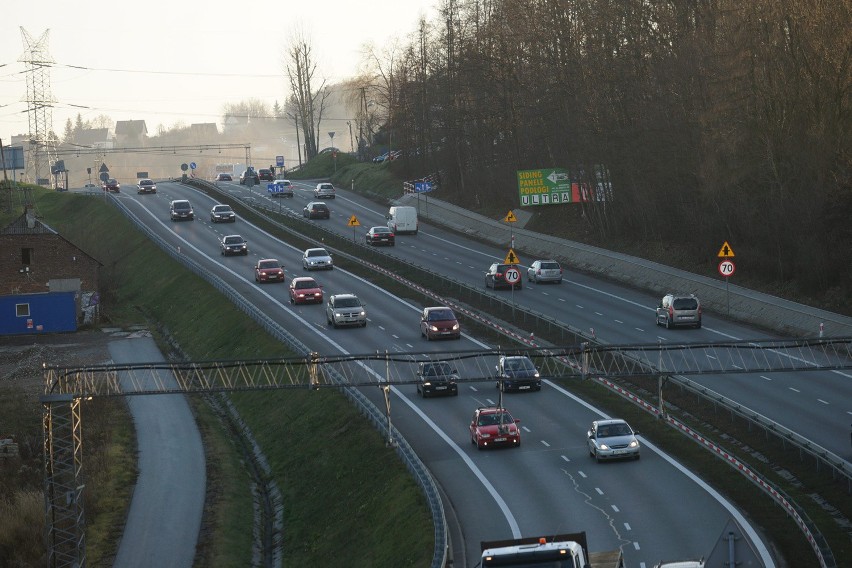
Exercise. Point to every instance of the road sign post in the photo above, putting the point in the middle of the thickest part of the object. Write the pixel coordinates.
(354, 223)
(512, 276)
(727, 269)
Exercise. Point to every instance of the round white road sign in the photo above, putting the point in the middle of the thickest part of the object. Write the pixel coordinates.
(727, 268)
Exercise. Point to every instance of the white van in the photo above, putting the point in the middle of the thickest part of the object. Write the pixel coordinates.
(402, 219)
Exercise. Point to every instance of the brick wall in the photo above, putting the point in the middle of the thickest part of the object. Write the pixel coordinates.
(50, 257)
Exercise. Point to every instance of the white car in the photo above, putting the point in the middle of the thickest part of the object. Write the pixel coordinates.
(317, 259)
(324, 190)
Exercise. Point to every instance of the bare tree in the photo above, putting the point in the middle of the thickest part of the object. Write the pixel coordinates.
(307, 102)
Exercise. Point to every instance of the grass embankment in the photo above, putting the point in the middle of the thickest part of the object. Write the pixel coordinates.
(343, 489)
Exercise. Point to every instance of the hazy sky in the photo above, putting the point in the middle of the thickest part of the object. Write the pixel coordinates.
(179, 61)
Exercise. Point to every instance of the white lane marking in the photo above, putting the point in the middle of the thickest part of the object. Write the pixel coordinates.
(794, 390)
(822, 401)
(599, 491)
(546, 445)
(765, 377)
(583, 475)
(614, 508)
(618, 321)
(627, 527)
(565, 458)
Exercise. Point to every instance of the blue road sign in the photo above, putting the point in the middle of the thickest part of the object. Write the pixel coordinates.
(192, 165)
(422, 186)
(279, 161)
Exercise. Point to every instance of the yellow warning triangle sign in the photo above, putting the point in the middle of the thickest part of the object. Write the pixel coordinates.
(512, 258)
(353, 221)
(726, 251)
(510, 217)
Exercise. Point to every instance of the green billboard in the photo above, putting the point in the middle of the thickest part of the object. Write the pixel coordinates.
(544, 187)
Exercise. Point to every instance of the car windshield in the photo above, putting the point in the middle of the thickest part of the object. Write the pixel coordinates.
(305, 284)
(612, 430)
(439, 315)
(146, 182)
(347, 303)
(268, 264)
(549, 265)
(222, 208)
(233, 240)
(494, 419)
(182, 205)
(518, 364)
(437, 369)
(685, 304)
(317, 252)
(377, 230)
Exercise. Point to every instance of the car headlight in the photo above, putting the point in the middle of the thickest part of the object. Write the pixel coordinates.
(455, 327)
(433, 328)
(485, 435)
(427, 384)
(634, 444)
(604, 447)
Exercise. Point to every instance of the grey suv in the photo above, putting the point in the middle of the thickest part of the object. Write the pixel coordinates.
(345, 309)
(678, 310)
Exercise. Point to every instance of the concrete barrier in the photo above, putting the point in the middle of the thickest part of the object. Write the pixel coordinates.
(749, 306)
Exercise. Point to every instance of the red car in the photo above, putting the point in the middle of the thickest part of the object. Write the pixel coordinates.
(492, 426)
(268, 270)
(439, 322)
(112, 185)
(305, 290)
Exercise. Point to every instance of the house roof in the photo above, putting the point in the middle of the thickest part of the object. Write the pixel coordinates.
(130, 128)
(91, 136)
(27, 224)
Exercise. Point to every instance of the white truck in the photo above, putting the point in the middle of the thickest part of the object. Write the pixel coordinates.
(563, 550)
(402, 219)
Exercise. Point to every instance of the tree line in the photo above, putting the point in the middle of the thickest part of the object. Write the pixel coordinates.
(716, 120)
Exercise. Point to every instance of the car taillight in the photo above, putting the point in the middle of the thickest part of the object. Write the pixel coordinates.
(390, 234)
(671, 312)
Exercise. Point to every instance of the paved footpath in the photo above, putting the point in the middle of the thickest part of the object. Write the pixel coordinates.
(168, 500)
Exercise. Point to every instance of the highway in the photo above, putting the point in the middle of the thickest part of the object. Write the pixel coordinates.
(549, 484)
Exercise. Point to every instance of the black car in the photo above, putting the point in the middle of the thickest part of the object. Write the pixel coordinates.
(249, 176)
(316, 210)
(265, 174)
(518, 373)
(380, 236)
(437, 378)
(233, 244)
(499, 276)
(222, 214)
(224, 177)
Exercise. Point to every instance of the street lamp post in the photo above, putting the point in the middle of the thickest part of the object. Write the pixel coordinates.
(333, 151)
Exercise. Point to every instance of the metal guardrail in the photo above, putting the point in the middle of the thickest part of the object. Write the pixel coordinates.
(413, 463)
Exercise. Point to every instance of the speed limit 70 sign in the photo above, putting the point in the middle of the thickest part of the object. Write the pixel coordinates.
(727, 268)
(513, 276)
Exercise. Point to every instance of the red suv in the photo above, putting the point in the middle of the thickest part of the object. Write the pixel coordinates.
(439, 322)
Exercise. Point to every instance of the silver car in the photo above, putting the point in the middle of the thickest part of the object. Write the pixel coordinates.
(324, 190)
(612, 439)
(317, 259)
(345, 309)
(544, 271)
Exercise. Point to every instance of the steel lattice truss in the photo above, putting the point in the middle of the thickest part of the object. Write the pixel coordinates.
(318, 371)
(39, 102)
